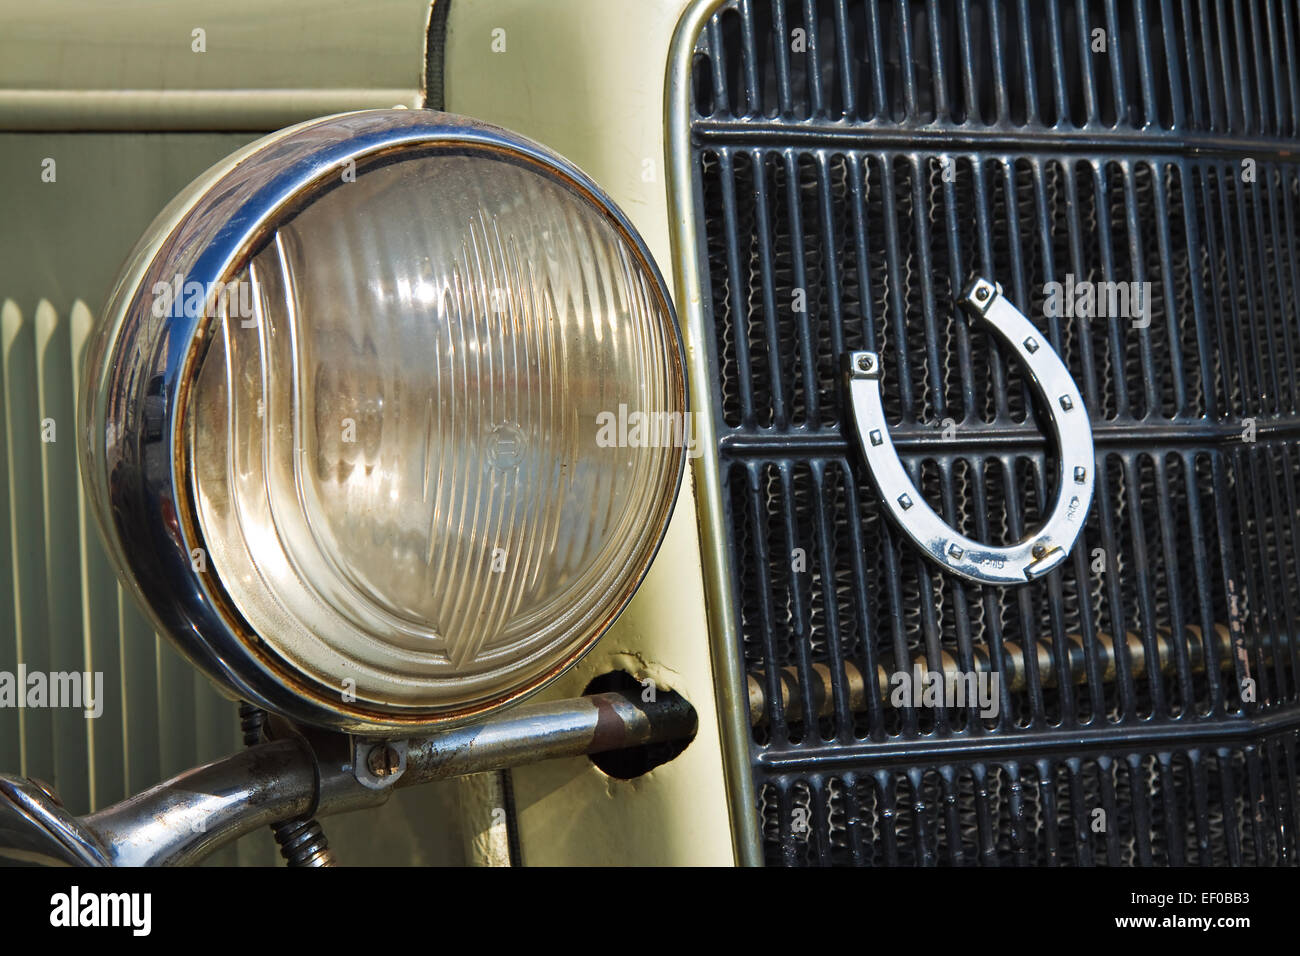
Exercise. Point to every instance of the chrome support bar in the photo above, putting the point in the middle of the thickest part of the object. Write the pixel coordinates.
(593, 724)
(182, 820)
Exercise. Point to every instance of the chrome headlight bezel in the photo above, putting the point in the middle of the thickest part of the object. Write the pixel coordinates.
(140, 369)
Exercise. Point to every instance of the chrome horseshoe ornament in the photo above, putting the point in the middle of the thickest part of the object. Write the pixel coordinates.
(1038, 552)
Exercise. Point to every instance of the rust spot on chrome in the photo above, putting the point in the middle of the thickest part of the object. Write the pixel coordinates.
(610, 731)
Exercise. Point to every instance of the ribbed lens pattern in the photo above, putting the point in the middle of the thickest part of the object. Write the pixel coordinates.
(399, 467)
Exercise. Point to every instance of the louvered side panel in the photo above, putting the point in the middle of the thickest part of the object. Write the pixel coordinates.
(63, 609)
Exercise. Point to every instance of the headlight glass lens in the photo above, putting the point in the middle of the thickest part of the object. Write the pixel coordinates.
(437, 430)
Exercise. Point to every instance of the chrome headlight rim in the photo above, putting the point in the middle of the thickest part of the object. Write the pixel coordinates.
(136, 461)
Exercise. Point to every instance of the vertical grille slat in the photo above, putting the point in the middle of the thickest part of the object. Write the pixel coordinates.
(100, 635)
(58, 460)
(855, 163)
(27, 554)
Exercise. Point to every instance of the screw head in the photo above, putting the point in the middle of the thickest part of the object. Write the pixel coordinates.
(865, 363)
(1038, 550)
(982, 292)
(383, 761)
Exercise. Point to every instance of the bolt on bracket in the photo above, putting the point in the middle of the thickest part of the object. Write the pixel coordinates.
(377, 764)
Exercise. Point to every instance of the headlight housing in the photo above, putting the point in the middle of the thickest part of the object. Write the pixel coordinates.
(385, 420)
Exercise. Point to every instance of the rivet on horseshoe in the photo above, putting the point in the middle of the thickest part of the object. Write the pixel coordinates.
(1038, 552)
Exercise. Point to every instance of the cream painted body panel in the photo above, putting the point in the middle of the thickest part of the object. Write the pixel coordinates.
(586, 78)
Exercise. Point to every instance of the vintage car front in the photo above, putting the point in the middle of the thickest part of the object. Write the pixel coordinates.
(972, 328)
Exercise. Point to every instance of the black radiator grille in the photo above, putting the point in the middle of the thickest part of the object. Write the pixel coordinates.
(906, 147)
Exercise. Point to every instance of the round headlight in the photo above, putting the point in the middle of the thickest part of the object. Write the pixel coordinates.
(386, 418)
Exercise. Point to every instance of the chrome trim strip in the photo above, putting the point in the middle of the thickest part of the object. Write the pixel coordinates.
(255, 111)
(729, 674)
